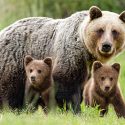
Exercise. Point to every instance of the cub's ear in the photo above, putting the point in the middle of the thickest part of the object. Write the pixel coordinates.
(122, 16)
(48, 61)
(97, 65)
(27, 60)
(116, 66)
(95, 12)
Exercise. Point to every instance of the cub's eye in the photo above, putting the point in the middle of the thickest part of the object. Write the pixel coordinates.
(31, 70)
(39, 71)
(102, 78)
(111, 79)
(100, 31)
(115, 33)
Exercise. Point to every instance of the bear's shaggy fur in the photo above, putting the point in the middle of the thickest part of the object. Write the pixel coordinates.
(73, 43)
(38, 82)
(102, 89)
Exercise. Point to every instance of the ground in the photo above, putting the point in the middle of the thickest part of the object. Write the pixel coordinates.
(88, 117)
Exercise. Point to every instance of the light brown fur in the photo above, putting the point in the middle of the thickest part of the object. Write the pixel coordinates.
(38, 83)
(103, 28)
(102, 89)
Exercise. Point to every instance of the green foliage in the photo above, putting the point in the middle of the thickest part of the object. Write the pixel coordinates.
(12, 10)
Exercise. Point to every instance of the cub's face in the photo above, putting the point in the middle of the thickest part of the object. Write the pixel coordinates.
(37, 70)
(105, 76)
(104, 34)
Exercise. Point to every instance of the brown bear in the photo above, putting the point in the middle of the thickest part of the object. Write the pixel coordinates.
(38, 83)
(102, 89)
(73, 43)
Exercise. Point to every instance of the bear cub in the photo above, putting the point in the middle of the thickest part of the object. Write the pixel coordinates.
(102, 89)
(38, 83)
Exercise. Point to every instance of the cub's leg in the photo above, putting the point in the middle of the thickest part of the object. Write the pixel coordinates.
(31, 100)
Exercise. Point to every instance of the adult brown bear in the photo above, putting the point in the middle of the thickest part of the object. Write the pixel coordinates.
(73, 43)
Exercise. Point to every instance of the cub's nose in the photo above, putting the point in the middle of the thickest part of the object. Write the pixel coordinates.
(33, 78)
(106, 47)
(107, 88)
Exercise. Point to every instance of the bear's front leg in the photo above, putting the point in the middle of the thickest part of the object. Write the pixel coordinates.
(59, 97)
(69, 74)
(119, 104)
(31, 100)
(76, 100)
(67, 91)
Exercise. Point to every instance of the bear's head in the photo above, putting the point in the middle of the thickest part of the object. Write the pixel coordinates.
(37, 71)
(103, 33)
(105, 76)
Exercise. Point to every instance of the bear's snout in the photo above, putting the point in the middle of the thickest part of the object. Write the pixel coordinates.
(33, 78)
(106, 47)
(107, 88)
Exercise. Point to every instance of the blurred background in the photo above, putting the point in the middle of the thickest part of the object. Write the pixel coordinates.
(12, 10)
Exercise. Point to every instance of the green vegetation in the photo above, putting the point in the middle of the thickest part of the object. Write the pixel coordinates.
(88, 117)
(12, 10)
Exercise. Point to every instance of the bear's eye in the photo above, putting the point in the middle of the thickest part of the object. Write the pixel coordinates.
(102, 78)
(111, 78)
(100, 31)
(39, 71)
(115, 33)
(31, 70)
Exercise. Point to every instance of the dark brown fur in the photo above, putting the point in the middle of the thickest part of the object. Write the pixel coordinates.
(102, 89)
(37, 90)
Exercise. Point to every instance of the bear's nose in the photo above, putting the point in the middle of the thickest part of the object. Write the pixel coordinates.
(106, 47)
(33, 78)
(107, 88)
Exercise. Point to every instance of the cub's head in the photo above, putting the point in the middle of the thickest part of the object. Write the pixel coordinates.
(105, 76)
(37, 70)
(103, 33)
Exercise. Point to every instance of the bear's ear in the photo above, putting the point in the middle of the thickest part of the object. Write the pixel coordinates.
(95, 12)
(97, 65)
(48, 61)
(116, 66)
(122, 16)
(27, 60)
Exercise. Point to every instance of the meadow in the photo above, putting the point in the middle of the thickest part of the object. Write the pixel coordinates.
(89, 116)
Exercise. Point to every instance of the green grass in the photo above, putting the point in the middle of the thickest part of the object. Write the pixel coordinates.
(89, 116)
